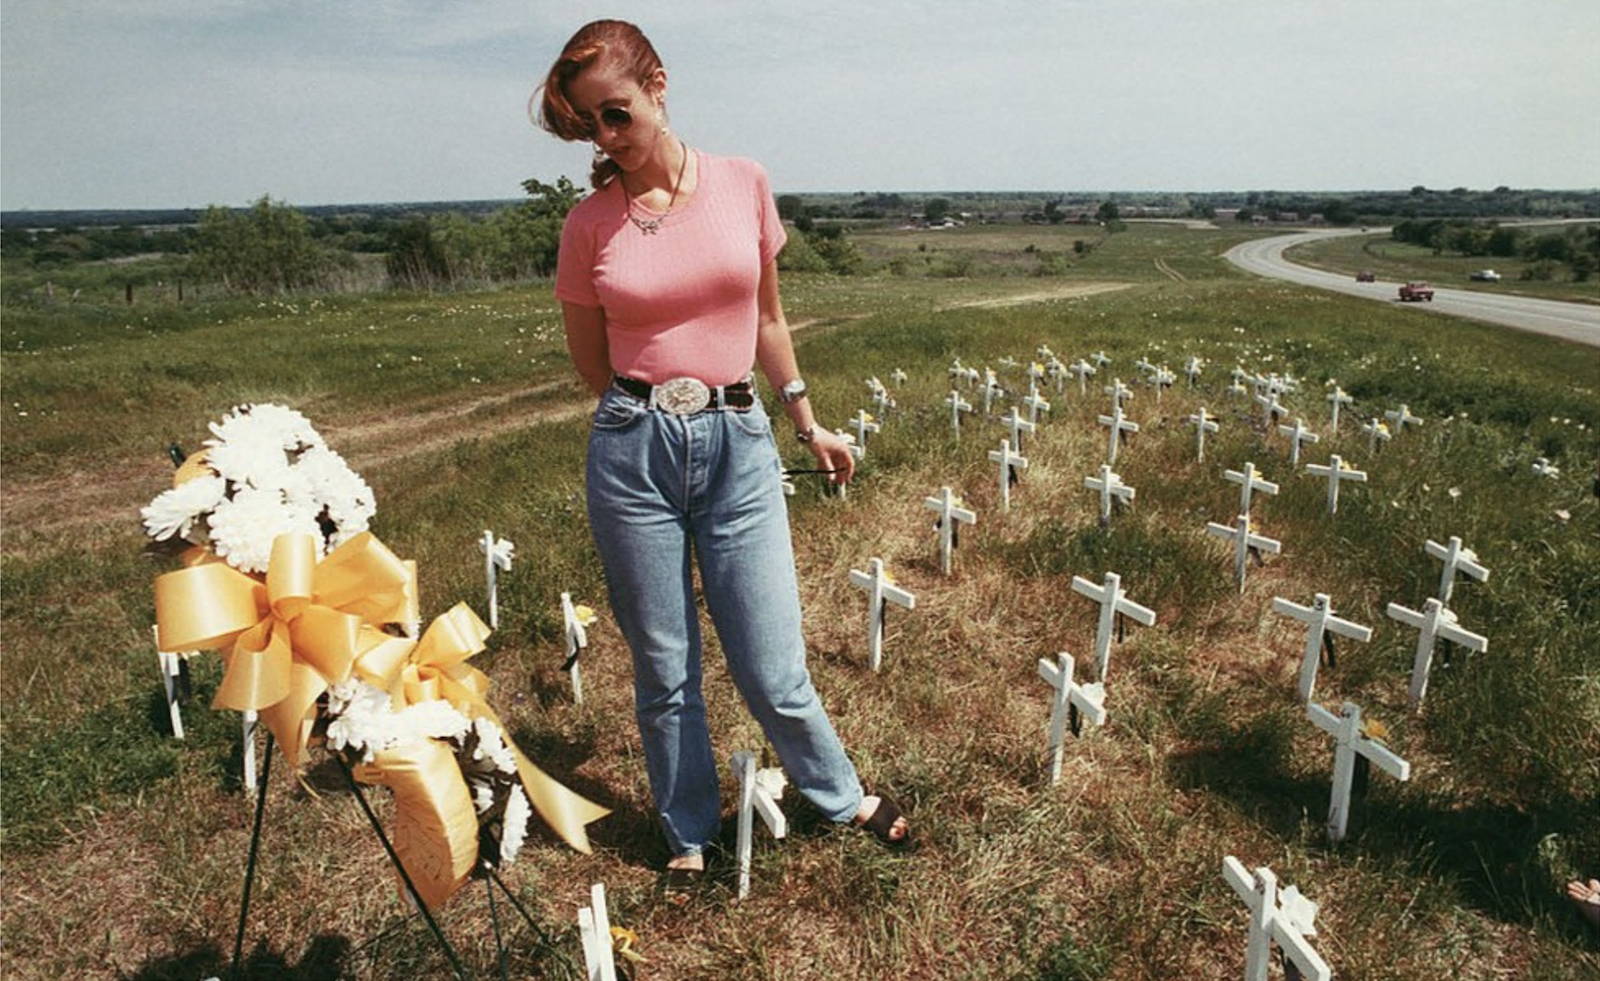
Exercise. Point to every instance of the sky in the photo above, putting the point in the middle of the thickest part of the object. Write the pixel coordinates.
(191, 103)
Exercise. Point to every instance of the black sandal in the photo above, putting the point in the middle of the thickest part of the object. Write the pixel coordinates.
(679, 884)
(881, 823)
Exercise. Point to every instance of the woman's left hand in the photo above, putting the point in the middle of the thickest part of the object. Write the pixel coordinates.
(833, 453)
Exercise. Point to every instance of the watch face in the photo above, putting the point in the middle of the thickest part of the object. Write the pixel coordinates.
(792, 391)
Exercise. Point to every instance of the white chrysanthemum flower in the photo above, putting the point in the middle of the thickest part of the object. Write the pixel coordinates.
(492, 747)
(435, 719)
(349, 501)
(514, 829)
(244, 526)
(175, 512)
(482, 797)
(363, 720)
(286, 427)
(251, 458)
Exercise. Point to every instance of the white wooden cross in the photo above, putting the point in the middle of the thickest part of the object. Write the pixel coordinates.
(1376, 430)
(1010, 463)
(1351, 740)
(497, 556)
(1456, 558)
(1203, 424)
(1298, 433)
(1036, 373)
(1271, 408)
(864, 424)
(1119, 424)
(1243, 541)
(1544, 468)
(576, 622)
(1336, 398)
(1319, 621)
(951, 516)
(1113, 601)
(957, 406)
(898, 377)
(1083, 370)
(1071, 699)
(856, 450)
(1035, 405)
(1163, 380)
(172, 669)
(1435, 622)
(1147, 368)
(594, 928)
(1118, 392)
(1249, 483)
(1337, 471)
(759, 793)
(1058, 372)
(1236, 389)
(1100, 359)
(1402, 418)
(1016, 426)
(882, 399)
(1287, 918)
(880, 588)
(991, 388)
(1110, 486)
(1192, 370)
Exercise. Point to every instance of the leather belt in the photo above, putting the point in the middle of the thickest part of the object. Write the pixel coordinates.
(686, 396)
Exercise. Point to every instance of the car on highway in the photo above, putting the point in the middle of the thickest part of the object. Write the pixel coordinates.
(1485, 276)
(1416, 291)
(1366, 276)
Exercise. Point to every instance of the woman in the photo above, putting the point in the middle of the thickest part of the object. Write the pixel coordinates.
(668, 283)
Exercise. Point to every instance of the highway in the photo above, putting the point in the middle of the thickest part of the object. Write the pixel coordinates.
(1578, 322)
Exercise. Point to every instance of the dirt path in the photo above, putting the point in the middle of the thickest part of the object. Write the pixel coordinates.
(114, 494)
(1067, 292)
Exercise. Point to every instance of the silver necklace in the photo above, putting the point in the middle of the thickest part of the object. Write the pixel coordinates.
(650, 226)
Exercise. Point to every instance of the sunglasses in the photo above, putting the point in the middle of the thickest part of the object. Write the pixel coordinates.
(611, 117)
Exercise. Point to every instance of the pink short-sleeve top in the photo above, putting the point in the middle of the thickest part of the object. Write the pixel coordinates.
(682, 301)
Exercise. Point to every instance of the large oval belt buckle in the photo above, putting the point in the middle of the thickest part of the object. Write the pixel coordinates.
(682, 396)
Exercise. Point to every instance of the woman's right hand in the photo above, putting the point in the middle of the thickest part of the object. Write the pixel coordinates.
(833, 453)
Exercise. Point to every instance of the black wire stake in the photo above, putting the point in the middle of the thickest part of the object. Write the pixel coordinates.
(405, 876)
(255, 849)
(494, 920)
(544, 938)
(791, 473)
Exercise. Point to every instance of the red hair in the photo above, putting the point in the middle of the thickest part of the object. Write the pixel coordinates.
(615, 41)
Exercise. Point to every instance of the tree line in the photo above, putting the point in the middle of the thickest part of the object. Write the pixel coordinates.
(1577, 247)
(272, 247)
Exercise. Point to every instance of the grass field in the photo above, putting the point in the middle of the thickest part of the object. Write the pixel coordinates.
(124, 849)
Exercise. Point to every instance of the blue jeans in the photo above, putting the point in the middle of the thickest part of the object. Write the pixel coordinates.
(663, 488)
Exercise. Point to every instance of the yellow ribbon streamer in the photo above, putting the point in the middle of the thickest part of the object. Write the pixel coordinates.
(437, 669)
(435, 825)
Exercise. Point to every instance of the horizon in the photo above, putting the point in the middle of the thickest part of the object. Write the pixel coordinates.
(1093, 195)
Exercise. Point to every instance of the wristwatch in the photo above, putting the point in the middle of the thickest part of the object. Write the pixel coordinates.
(807, 434)
(792, 392)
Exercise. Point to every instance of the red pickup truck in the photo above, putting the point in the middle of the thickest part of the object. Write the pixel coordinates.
(1415, 292)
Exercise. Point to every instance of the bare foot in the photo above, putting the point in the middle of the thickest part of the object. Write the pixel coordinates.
(1587, 896)
(869, 805)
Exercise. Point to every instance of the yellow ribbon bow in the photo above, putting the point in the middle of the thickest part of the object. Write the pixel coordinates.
(289, 637)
